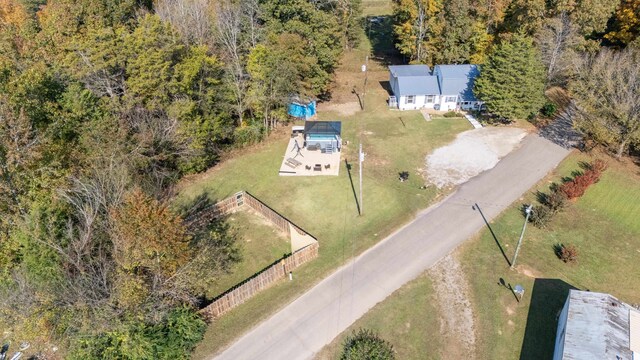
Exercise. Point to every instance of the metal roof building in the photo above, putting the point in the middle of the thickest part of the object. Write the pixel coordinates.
(418, 85)
(457, 80)
(597, 326)
(410, 70)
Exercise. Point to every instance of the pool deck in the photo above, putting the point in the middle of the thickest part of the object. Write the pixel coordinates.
(308, 161)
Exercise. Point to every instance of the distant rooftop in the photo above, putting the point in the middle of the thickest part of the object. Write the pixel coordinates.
(410, 70)
(598, 327)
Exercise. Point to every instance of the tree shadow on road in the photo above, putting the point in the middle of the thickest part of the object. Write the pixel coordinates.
(477, 207)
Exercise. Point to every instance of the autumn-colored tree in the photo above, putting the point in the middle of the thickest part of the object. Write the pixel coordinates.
(12, 13)
(418, 26)
(150, 245)
(626, 26)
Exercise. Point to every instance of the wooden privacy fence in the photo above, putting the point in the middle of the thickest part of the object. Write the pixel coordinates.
(259, 282)
(211, 212)
(279, 270)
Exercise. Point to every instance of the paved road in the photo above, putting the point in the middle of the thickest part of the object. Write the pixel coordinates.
(303, 327)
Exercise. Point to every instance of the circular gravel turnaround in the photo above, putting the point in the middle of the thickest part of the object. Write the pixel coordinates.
(471, 153)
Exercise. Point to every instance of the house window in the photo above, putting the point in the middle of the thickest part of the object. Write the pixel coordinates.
(411, 99)
(431, 98)
(450, 99)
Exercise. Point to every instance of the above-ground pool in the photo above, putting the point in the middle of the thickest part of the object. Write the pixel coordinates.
(320, 137)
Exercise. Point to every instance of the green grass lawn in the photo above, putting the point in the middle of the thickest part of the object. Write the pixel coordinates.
(260, 245)
(325, 206)
(407, 318)
(601, 224)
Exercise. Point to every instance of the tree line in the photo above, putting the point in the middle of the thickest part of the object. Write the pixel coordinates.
(104, 105)
(527, 46)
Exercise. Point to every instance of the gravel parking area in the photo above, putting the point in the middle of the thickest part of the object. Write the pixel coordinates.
(471, 153)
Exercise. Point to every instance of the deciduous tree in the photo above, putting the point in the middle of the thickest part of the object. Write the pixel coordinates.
(557, 40)
(605, 92)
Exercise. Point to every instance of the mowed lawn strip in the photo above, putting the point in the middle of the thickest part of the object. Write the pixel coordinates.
(325, 206)
(407, 318)
(598, 224)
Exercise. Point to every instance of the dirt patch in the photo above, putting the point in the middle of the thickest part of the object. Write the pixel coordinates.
(346, 109)
(471, 153)
(457, 320)
(527, 271)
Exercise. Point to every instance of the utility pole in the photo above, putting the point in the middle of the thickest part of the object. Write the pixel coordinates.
(360, 160)
(365, 69)
(528, 210)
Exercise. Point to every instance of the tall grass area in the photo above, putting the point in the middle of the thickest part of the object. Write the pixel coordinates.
(602, 225)
(325, 206)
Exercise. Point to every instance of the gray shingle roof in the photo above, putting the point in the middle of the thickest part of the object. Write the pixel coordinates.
(458, 80)
(418, 85)
(597, 327)
(410, 70)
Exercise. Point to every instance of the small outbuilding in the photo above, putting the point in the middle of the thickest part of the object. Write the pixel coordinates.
(597, 326)
(323, 135)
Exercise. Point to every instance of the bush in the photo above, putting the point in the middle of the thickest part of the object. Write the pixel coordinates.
(249, 135)
(451, 114)
(566, 253)
(556, 200)
(366, 345)
(174, 338)
(540, 216)
(577, 187)
(548, 109)
(598, 165)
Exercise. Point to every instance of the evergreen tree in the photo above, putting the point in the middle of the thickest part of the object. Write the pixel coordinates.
(512, 81)
(458, 29)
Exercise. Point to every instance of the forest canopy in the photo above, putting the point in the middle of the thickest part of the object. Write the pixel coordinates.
(104, 106)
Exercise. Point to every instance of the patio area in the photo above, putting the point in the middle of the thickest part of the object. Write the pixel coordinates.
(300, 161)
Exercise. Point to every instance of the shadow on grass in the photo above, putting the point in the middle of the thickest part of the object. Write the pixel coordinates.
(547, 300)
(353, 189)
(204, 301)
(386, 85)
(477, 207)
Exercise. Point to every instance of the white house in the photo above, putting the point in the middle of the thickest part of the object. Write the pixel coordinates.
(447, 87)
(597, 326)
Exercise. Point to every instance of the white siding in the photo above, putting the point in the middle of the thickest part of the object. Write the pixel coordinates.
(420, 102)
(448, 105)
